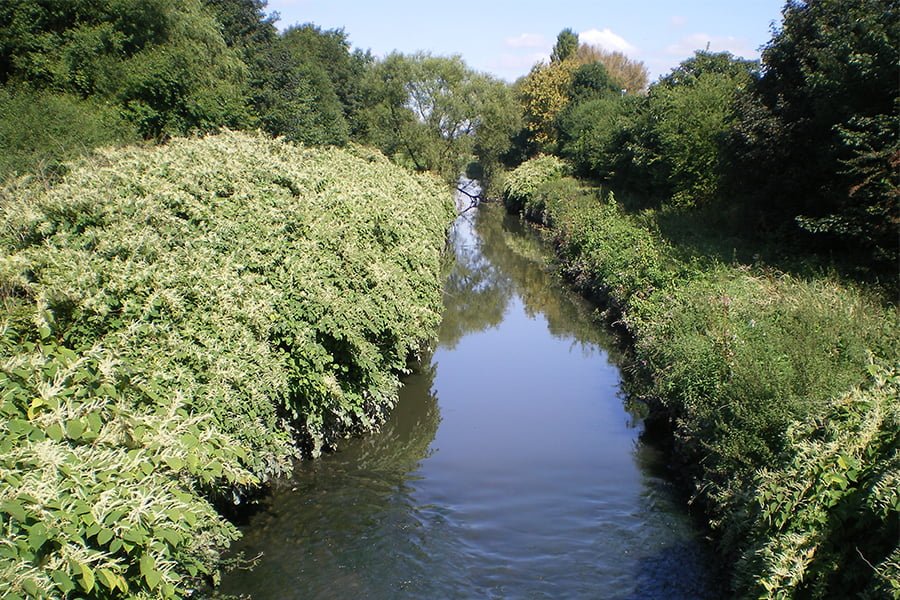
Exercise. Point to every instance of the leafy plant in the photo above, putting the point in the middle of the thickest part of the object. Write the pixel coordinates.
(179, 323)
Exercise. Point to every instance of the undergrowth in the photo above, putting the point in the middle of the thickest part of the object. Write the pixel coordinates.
(179, 323)
(780, 391)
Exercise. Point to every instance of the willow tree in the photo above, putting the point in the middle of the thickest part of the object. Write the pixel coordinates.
(434, 113)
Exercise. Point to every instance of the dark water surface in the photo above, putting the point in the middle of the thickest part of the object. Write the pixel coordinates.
(509, 469)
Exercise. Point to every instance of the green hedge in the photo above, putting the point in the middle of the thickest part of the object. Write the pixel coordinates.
(750, 368)
(176, 321)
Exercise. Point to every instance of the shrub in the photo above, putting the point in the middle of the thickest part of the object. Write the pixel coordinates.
(176, 319)
(41, 130)
(525, 179)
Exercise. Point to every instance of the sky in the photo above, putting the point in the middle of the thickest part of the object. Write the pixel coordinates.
(506, 38)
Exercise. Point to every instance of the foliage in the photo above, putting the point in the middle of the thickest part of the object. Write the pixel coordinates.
(591, 81)
(297, 100)
(522, 183)
(630, 75)
(163, 62)
(40, 130)
(328, 52)
(671, 140)
(436, 114)
(704, 332)
(566, 45)
(544, 93)
(593, 136)
(830, 84)
(175, 320)
(842, 483)
(691, 112)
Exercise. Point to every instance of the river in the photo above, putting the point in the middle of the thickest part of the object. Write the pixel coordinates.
(509, 469)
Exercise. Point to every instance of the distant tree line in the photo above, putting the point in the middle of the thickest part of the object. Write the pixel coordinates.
(801, 146)
(80, 74)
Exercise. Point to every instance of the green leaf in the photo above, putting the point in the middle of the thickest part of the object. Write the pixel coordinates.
(176, 463)
(104, 536)
(63, 581)
(148, 570)
(14, 508)
(55, 432)
(74, 429)
(87, 577)
(30, 587)
(108, 578)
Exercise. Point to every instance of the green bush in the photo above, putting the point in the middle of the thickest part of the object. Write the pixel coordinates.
(40, 130)
(748, 367)
(525, 179)
(825, 525)
(177, 320)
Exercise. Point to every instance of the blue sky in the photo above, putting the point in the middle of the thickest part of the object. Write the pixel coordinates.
(506, 38)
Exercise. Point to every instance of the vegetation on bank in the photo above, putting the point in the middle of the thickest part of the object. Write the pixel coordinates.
(758, 203)
(179, 322)
(781, 392)
(134, 395)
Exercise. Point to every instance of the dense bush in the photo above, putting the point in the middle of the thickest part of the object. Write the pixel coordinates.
(746, 365)
(521, 183)
(40, 130)
(175, 319)
(817, 142)
(842, 483)
(164, 63)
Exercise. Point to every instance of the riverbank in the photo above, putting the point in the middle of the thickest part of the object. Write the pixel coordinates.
(180, 323)
(510, 468)
(779, 391)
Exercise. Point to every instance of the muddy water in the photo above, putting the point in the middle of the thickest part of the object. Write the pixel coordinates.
(509, 469)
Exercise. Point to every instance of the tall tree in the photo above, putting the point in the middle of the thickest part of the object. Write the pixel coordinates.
(544, 93)
(566, 45)
(818, 133)
(631, 75)
(434, 113)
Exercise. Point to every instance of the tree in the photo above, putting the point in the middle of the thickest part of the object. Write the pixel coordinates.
(817, 135)
(592, 81)
(544, 93)
(566, 45)
(630, 75)
(329, 49)
(691, 111)
(163, 62)
(296, 99)
(436, 114)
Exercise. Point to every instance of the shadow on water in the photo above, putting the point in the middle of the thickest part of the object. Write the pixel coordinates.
(509, 468)
(339, 515)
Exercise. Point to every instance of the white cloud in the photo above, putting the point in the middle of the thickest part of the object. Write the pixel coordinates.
(527, 40)
(686, 46)
(606, 39)
(678, 21)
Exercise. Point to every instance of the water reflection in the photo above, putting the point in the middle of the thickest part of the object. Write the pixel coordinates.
(509, 468)
(325, 530)
(497, 256)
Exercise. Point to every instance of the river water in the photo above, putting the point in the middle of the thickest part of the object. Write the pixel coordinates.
(509, 469)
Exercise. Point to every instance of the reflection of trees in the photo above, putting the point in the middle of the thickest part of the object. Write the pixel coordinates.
(476, 291)
(338, 515)
(517, 251)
